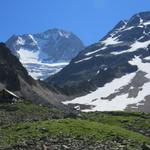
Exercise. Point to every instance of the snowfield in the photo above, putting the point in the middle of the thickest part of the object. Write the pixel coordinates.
(119, 102)
(43, 70)
(27, 56)
(111, 41)
(32, 61)
(96, 98)
(134, 47)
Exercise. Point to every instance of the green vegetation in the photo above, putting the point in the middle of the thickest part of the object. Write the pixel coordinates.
(26, 111)
(24, 121)
(70, 127)
(138, 122)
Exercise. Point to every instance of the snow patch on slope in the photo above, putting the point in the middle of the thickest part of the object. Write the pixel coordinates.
(43, 70)
(111, 41)
(105, 105)
(20, 41)
(85, 59)
(145, 67)
(34, 42)
(27, 56)
(64, 34)
(93, 52)
(147, 58)
(146, 23)
(32, 61)
(135, 46)
(120, 102)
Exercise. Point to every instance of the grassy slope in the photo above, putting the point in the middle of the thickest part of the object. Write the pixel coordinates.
(26, 111)
(24, 121)
(138, 122)
(73, 128)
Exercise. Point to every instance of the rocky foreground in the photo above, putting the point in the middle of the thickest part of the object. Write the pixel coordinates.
(27, 126)
(66, 143)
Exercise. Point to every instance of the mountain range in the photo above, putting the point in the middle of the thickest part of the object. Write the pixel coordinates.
(112, 74)
(45, 53)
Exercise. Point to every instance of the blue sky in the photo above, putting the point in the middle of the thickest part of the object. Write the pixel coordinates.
(89, 19)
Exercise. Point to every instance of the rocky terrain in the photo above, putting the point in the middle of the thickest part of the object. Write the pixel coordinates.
(66, 143)
(25, 126)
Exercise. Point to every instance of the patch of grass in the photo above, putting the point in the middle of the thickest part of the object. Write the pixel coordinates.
(18, 133)
(138, 122)
(24, 121)
(26, 111)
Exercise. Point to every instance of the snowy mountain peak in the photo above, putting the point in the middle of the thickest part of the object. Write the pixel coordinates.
(57, 44)
(54, 34)
(58, 32)
(51, 46)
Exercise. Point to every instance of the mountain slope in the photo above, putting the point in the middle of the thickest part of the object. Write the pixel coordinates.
(118, 64)
(41, 49)
(14, 77)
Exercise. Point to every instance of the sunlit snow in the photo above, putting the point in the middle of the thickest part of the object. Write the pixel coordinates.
(85, 59)
(36, 68)
(147, 58)
(120, 102)
(111, 41)
(27, 56)
(146, 23)
(99, 103)
(135, 46)
(20, 41)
